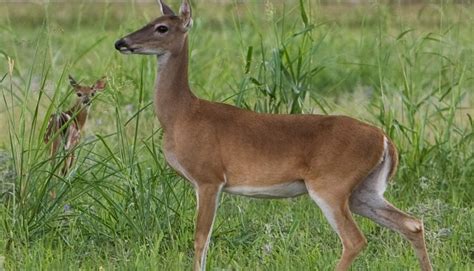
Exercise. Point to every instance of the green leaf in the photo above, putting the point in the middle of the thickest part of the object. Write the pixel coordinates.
(248, 60)
(304, 17)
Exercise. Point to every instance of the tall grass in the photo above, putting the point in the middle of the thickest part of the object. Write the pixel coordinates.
(406, 69)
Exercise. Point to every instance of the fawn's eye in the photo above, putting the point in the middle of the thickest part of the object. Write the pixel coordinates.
(79, 94)
(161, 29)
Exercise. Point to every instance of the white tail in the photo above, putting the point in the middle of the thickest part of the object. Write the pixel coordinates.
(70, 123)
(343, 163)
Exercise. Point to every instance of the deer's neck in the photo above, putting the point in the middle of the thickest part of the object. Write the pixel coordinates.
(173, 97)
(79, 111)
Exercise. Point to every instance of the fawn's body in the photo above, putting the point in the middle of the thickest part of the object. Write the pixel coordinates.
(342, 163)
(70, 123)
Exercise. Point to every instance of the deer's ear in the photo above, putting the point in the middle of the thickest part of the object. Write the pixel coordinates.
(100, 84)
(165, 9)
(185, 14)
(73, 82)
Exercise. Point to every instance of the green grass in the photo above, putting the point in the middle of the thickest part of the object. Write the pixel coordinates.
(407, 69)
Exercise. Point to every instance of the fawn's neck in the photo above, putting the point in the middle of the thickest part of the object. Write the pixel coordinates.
(172, 93)
(79, 111)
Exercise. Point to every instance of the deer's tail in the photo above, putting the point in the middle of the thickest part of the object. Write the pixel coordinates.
(392, 151)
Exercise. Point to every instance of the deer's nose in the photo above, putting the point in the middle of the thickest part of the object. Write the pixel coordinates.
(121, 45)
(86, 101)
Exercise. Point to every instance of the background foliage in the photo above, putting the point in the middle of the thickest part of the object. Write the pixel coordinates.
(406, 68)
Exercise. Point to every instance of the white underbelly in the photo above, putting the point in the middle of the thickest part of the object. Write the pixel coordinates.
(285, 190)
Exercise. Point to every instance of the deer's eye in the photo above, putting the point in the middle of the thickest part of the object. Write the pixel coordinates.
(79, 94)
(161, 29)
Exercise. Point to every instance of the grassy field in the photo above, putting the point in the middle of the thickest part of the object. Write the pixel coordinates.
(407, 69)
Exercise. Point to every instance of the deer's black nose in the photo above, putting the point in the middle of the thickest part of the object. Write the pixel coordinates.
(121, 44)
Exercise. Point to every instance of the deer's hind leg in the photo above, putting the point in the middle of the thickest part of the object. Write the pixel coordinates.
(367, 200)
(335, 207)
(72, 141)
(68, 163)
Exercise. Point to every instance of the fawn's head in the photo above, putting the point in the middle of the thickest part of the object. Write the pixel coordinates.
(86, 93)
(164, 35)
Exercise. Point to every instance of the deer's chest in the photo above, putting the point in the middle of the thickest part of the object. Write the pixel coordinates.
(176, 162)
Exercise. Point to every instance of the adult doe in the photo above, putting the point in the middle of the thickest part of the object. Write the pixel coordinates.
(64, 128)
(342, 163)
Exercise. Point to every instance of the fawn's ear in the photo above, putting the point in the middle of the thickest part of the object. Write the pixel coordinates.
(73, 82)
(165, 9)
(100, 84)
(185, 14)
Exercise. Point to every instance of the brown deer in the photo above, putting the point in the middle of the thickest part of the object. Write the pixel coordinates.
(70, 123)
(343, 164)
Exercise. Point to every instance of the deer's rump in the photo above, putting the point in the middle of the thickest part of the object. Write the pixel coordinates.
(69, 131)
(57, 122)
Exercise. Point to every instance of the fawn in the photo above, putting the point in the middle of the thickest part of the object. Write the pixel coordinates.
(343, 164)
(70, 123)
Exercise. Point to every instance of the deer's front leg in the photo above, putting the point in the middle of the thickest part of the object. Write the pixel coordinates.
(207, 201)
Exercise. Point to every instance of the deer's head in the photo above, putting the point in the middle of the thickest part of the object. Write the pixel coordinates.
(86, 93)
(164, 35)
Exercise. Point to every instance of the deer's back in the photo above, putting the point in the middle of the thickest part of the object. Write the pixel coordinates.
(276, 146)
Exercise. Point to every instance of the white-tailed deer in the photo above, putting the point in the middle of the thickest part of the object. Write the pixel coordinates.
(70, 123)
(343, 164)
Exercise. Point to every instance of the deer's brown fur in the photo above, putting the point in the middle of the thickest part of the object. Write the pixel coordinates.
(343, 164)
(64, 128)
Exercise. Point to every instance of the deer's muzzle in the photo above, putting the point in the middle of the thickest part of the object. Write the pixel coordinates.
(122, 46)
